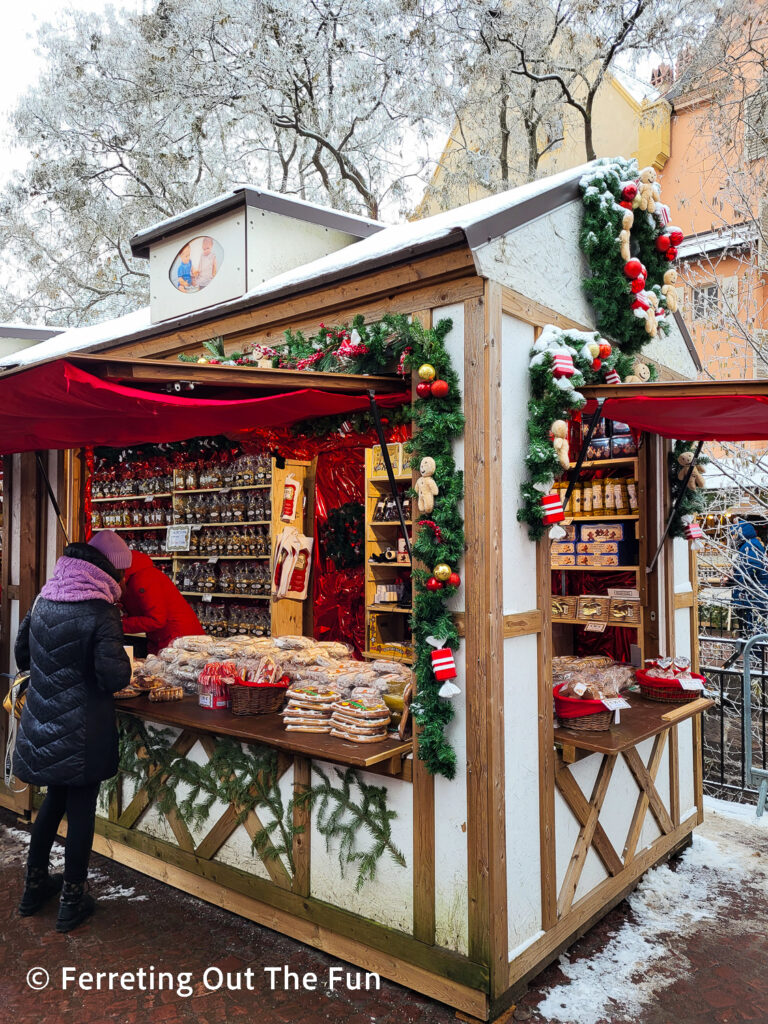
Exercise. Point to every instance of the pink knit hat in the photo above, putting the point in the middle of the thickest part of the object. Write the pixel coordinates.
(113, 547)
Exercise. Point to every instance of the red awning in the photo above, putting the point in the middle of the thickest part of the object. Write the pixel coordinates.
(692, 417)
(57, 405)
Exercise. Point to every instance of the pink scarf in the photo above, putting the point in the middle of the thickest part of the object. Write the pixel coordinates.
(74, 579)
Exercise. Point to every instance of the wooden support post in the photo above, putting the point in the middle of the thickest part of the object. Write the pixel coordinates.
(486, 831)
(302, 819)
(674, 776)
(546, 742)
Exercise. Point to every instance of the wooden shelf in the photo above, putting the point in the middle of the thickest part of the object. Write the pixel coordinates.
(601, 519)
(204, 556)
(386, 656)
(128, 529)
(392, 522)
(134, 497)
(595, 568)
(252, 522)
(608, 625)
(597, 463)
(383, 485)
(223, 487)
(238, 597)
(390, 608)
(160, 558)
(644, 719)
(266, 729)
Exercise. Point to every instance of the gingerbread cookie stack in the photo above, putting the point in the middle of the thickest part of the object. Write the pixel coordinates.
(309, 709)
(363, 718)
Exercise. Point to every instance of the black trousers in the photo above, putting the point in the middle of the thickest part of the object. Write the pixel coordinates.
(79, 804)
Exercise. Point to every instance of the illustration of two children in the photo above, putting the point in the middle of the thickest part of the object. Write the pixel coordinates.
(189, 278)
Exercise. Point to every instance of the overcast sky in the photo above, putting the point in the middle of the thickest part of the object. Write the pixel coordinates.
(18, 63)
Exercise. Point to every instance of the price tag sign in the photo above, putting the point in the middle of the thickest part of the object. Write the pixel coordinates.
(690, 684)
(224, 490)
(214, 560)
(624, 593)
(207, 598)
(616, 703)
(147, 499)
(177, 538)
(595, 627)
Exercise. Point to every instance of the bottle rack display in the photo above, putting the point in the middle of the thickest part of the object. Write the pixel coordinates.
(387, 565)
(233, 505)
(596, 567)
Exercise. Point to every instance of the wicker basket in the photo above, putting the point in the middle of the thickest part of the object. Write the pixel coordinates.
(667, 693)
(598, 721)
(581, 715)
(257, 700)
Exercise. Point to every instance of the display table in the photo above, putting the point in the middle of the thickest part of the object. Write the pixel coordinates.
(268, 729)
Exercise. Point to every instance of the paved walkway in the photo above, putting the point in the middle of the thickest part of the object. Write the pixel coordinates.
(690, 947)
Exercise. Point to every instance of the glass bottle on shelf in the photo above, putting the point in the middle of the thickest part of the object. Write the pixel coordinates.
(190, 477)
(238, 506)
(96, 519)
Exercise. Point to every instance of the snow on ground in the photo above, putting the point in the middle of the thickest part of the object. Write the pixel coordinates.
(14, 843)
(738, 812)
(671, 901)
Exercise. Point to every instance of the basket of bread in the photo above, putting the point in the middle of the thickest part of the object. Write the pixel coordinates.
(259, 690)
(670, 680)
(581, 688)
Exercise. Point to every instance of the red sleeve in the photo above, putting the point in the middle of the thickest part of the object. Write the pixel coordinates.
(149, 601)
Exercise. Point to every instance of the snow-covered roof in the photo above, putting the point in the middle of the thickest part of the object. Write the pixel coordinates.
(635, 86)
(714, 241)
(259, 198)
(475, 223)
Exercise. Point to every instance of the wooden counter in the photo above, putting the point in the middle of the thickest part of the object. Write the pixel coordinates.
(646, 718)
(267, 729)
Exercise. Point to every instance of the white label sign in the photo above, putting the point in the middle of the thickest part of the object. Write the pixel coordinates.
(207, 598)
(595, 627)
(625, 594)
(690, 684)
(616, 703)
(177, 538)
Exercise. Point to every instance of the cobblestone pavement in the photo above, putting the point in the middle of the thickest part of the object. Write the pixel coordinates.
(708, 967)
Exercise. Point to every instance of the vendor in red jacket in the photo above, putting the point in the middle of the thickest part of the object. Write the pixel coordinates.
(153, 605)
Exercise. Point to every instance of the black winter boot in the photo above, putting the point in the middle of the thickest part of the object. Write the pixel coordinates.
(75, 906)
(39, 888)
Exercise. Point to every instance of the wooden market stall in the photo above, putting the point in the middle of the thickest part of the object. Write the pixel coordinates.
(486, 876)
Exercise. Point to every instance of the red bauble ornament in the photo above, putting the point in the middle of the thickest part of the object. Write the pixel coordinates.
(596, 364)
(626, 204)
(633, 268)
(433, 584)
(605, 349)
(676, 236)
(439, 388)
(423, 389)
(629, 191)
(454, 580)
(637, 285)
(671, 253)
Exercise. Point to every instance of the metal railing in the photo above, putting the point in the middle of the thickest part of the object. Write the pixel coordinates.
(725, 729)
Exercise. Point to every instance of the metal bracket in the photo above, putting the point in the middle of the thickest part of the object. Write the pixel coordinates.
(583, 450)
(52, 496)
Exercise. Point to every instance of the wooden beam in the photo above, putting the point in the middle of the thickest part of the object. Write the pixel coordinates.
(302, 821)
(269, 857)
(140, 802)
(679, 389)
(486, 826)
(579, 805)
(674, 776)
(159, 371)
(424, 863)
(523, 623)
(698, 768)
(217, 835)
(390, 288)
(547, 849)
(643, 800)
(586, 835)
(530, 312)
(594, 905)
(684, 600)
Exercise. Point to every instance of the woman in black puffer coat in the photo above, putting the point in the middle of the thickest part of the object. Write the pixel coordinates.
(72, 643)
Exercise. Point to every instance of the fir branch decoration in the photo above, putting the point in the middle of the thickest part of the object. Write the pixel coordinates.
(247, 778)
(344, 535)
(605, 204)
(694, 502)
(342, 818)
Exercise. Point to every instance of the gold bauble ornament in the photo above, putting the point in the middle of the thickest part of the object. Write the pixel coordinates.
(427, 371)
(442, 572)
(202, 361)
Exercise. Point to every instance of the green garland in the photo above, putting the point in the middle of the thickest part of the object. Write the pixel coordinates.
(344, 535)
(248, 778)
(608, 287)
(694, 502)
(438, 423)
